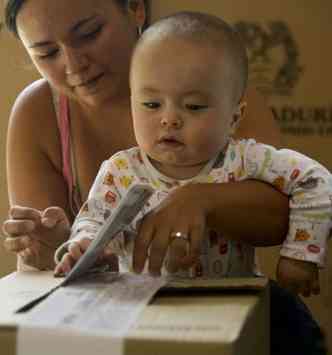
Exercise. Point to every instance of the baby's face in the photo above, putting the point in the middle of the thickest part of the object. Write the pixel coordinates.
(182, 104)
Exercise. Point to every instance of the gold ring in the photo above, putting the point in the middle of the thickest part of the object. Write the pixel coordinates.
(179, 235)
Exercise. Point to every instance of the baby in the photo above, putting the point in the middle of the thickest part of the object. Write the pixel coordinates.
(188, 76)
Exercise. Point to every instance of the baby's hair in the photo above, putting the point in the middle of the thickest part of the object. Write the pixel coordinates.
(208, 30)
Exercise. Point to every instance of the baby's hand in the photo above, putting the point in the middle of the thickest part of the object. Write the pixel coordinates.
(301, 277)
(75, 250)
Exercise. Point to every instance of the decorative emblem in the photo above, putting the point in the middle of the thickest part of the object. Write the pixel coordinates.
(273, 56)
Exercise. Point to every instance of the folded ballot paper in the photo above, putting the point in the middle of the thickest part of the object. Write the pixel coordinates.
(122, 216)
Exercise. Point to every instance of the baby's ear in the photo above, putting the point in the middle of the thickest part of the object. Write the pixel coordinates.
(238, 115)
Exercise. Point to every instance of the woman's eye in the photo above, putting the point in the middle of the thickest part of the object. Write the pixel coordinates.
(48, 55)
(194, 107)
(92, 34)
(151, 105)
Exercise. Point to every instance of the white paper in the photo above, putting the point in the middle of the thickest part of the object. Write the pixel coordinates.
(127, 210)
(106, 306)
(19, 288)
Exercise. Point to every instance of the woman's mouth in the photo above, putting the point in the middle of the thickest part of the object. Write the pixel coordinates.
(90, 83)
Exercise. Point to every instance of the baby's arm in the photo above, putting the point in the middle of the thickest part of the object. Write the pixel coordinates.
(104, 197)
(309, 186)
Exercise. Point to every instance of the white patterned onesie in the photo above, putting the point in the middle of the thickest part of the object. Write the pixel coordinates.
(308, 184)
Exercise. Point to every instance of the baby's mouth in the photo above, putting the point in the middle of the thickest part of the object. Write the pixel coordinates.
(170, 142)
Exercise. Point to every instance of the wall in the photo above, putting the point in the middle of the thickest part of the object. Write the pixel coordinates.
(302, 102)
(15, 73)
(303, 106)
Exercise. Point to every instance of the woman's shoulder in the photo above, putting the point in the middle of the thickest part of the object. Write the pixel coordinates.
(33, 104)
(33, 121)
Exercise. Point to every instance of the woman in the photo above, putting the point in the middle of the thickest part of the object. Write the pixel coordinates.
(83, 53)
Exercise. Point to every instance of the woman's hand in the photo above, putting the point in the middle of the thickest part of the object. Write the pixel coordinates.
(248, 211)
(34, 235)
(182, 212)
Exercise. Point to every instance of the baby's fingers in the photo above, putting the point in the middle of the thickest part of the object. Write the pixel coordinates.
(84, 244)
(65, 265)
(75, 250)
(59, 270)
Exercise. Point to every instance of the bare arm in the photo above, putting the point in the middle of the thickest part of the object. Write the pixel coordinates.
(34, 177)
(249, 211)
(34, 153)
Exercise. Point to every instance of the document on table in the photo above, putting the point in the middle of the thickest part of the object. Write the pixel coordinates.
(121, 217)
(104, 305)
(104, 302)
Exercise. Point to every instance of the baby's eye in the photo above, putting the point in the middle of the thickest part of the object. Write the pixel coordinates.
(195, 107)
(151, 105)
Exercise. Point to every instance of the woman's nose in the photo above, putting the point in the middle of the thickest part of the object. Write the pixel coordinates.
(172, 119)
(75, 61)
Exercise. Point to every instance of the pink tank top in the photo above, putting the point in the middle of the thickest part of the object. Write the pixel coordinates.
(68, 164)
(68, 158)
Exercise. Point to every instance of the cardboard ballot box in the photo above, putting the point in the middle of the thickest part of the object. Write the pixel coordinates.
(224, 317)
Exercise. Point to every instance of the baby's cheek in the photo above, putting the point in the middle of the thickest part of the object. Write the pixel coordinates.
(209, 145)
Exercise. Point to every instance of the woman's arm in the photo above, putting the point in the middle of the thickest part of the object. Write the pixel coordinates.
(34, 152)
(34, 176)
(259, 122)
(250, 211)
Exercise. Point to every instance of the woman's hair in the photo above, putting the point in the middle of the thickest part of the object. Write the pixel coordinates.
(12, 8)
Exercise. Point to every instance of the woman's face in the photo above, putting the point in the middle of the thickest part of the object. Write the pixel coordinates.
(82, 47)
